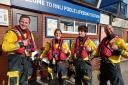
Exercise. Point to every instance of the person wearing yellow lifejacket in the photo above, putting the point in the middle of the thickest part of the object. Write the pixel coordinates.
(19, 43)
(82, 51)
(110, 50)
(57, 53)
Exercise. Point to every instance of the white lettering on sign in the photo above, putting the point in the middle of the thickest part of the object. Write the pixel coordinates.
(63, 7)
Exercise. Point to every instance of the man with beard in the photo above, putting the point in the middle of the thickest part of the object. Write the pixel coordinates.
(82, 51)
(19, 43)
(57, 53)
(110, 50)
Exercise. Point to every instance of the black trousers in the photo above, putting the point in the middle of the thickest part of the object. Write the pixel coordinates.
(112, 72)
(18, 62)
(62, 70)
(83, 72)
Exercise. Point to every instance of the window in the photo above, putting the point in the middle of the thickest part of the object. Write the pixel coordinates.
(123, 9)
(118, 8)
(33, 23)
(112, 8)
(71, 26)
(93, 2)
(96, 41)
(67, 25)
(51, 25)
(72, 42)
(92, 28)
(77, 24)
(68, 42)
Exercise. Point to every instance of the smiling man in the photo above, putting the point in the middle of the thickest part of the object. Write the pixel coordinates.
(19, 43)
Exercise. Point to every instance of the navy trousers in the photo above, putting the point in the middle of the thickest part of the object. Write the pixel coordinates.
(112, 72)
(83, 72)
(18, 62)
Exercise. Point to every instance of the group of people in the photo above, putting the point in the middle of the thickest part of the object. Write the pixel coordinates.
(19, 44)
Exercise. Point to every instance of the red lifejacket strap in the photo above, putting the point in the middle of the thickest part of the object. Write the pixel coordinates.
(80, 47)
(61, 54)
(21, 37)
(78, 41)
(105, 48)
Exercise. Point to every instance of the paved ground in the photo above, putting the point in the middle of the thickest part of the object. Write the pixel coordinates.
(45, 83)
(95, 81)
(39, 82)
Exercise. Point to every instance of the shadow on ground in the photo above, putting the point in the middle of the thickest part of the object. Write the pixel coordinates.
(41, 82)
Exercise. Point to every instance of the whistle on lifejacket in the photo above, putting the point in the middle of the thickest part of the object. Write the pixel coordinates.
(53, 61)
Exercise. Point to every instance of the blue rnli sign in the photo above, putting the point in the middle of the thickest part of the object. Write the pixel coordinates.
(59, 7)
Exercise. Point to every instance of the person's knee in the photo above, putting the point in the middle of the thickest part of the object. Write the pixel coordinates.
(86, 77)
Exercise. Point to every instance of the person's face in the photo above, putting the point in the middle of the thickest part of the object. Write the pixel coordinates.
(82, 33)
(24, 23)
(108, 30)
(58, 34)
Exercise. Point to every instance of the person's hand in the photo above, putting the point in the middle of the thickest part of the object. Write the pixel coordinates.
(96, 63)
(115, 47)
(88, 48)
(25, 42)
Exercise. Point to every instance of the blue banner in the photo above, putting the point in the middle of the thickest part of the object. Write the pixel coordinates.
(59, 7)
